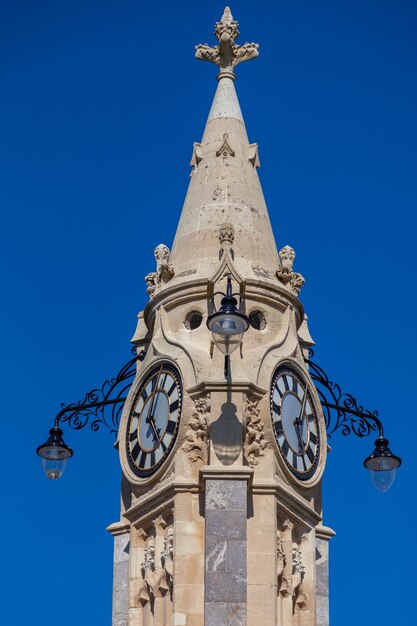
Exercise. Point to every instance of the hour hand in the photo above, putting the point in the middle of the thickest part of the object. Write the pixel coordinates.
(149, 420)
(297, 425)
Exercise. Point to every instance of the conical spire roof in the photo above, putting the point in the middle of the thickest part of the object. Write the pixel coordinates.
(224, 186)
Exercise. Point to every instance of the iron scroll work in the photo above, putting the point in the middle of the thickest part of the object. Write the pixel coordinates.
(103, 405)
(341, 410)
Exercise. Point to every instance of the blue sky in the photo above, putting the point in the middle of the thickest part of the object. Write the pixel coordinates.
(100, 104)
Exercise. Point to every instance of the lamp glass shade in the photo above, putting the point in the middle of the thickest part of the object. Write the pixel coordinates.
(227, 324)
(382, 465)
(383, 479)
(227, 344)
(53, 469)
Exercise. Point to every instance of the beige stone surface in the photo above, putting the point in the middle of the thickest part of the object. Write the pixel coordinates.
(225, 431)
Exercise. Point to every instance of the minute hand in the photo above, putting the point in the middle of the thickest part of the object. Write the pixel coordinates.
(298, 421)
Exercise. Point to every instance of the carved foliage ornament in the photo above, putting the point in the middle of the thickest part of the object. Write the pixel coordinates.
(290, 567)
(157, 568)
(196, 436)
(285, 273)
(255, 440)
(164, 270)
(227, 54)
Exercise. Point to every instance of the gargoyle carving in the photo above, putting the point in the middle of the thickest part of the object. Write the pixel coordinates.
(164, 270)
(255, 440)
(196, 436)
(227, 54)
(285, 274)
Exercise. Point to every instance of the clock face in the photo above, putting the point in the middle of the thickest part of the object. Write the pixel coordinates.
(154, 420)
(295, 422)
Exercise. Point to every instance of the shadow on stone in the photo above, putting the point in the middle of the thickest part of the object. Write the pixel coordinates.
(226, 435)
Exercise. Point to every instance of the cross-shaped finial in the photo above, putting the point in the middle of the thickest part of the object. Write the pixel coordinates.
(227, 54)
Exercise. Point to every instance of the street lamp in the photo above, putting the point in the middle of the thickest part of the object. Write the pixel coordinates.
(112, 394)
(382, 464)
(228, 324)
(341, 410)
(54, 453)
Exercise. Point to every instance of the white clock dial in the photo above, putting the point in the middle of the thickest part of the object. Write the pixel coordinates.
(154, 420)
(295, 422)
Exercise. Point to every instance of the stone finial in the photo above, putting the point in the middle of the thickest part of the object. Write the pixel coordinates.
(285, 274)
(164, 270)
(227, 54)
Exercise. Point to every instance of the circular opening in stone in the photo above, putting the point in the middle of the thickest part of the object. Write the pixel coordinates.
(257, 320)
(193, 320)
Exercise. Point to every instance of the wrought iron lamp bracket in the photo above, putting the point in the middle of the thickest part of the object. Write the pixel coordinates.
(92, 409)
(341, 410)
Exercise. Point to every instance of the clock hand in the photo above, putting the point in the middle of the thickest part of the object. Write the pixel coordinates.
(298, 433)
(153, 396)
(150, 420)
(298, 421)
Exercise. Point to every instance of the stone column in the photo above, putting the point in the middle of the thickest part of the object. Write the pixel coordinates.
(226, 503)
(120, 610)
(323, 536)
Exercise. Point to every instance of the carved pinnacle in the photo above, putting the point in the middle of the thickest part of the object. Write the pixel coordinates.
(227, 54)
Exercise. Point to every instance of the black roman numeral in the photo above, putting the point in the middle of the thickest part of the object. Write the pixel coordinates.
(171, 426)
(135, 451)
(294, 460)
(142, 459)
(171, 389)
(313, 438)
(173, 406)
(278, 427)
(295, 385)
(310, 417)
(285, 380)
(285, 447)
(144, 395)
(133, 436)
(276, 408)
(310, 454)
(152, 458)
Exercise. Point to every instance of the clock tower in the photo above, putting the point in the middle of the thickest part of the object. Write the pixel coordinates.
(221, 515)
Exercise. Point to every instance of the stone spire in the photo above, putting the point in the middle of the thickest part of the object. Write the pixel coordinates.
(224, 186)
